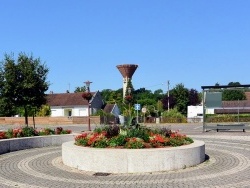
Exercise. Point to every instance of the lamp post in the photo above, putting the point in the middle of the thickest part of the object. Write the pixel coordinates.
(168, 95)
(88, 98)
(129, 108)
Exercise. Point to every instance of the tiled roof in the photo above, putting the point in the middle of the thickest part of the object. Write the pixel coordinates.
(108, 108)
(241, 103)
(231, 111)
(66, 99)
(242, 106)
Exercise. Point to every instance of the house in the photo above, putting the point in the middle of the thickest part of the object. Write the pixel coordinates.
(195, 114)
(113, 109)
(72, 104)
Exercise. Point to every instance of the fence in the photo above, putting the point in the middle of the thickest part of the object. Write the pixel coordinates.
(108, 120)
(50, 120)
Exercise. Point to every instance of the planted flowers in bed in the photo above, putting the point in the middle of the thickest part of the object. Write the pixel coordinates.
(114, 136)
(30, 131)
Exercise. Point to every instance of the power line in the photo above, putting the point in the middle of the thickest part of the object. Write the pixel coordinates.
(153, 85)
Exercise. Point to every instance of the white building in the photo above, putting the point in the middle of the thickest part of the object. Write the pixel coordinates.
(72, 104)
(195, 114)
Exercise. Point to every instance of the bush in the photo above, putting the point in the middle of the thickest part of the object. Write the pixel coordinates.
(142, 133)
(46, 131)
(30, 131)
(131, 138)
(134, 143)
(116, 141)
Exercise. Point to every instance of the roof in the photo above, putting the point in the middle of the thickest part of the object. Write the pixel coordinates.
(225, 86)
(234, 104)
(108, 108)
(242, 106)
(66, 99)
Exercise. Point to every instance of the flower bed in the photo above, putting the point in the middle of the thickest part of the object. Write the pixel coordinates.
(114, 136)
(143, 150)
(30, 131)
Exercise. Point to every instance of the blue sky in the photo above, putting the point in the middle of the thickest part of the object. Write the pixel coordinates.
(193, 42)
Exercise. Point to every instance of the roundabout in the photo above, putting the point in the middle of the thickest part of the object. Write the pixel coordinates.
(110, 160)
(227, 165)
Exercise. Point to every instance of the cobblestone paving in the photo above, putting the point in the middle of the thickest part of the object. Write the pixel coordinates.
(228, 166)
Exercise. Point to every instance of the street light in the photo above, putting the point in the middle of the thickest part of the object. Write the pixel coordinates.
(129, 93)
(88, 97)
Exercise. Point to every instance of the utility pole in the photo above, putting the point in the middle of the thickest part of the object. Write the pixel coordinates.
(168, 95)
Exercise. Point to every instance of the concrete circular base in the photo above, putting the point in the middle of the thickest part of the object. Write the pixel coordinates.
(132, 160)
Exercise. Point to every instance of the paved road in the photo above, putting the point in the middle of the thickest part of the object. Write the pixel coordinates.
(228, 166)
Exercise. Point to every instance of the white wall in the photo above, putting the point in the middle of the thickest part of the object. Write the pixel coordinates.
(195, 114)
(57, 112)
(210, 111)
(80, 112)
(194, 111)
(75, 111)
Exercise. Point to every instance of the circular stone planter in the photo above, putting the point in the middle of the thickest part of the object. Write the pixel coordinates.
(108, 160)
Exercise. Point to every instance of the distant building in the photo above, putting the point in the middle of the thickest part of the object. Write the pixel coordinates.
(113, 109)
(72, 104)
(227, 107)
(195, 114)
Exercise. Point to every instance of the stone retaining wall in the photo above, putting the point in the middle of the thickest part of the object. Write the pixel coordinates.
(108, 160)
(15, 144)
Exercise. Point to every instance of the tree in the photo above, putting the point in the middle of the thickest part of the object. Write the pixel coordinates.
(169, 100)
(8, 73)
(80, 89)
(231, 95)
(44, 111)
(181, 96)
(23, 83)
(194, 98)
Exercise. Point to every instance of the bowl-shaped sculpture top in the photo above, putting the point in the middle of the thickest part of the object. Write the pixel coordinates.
(127, 70)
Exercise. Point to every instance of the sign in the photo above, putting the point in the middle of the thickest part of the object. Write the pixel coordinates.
(137, 106)
(144, 110)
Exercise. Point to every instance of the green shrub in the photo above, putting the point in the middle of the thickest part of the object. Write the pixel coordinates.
(28, 131)
(46, 131)
(9, 133)
(176, 142)
(119, 140)
(132, 138)
(142, 133)
(189, 140)
(134, 143)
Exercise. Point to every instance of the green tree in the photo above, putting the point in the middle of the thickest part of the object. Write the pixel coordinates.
(172, 113)
(8, 74)
(23, 83)
(194, 97)
(80, 89)
(181, 97)
(231, 94)
(44, 111)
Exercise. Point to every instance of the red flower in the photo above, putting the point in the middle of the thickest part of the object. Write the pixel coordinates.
(128, 98)
(81, 136)
(2, 135)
